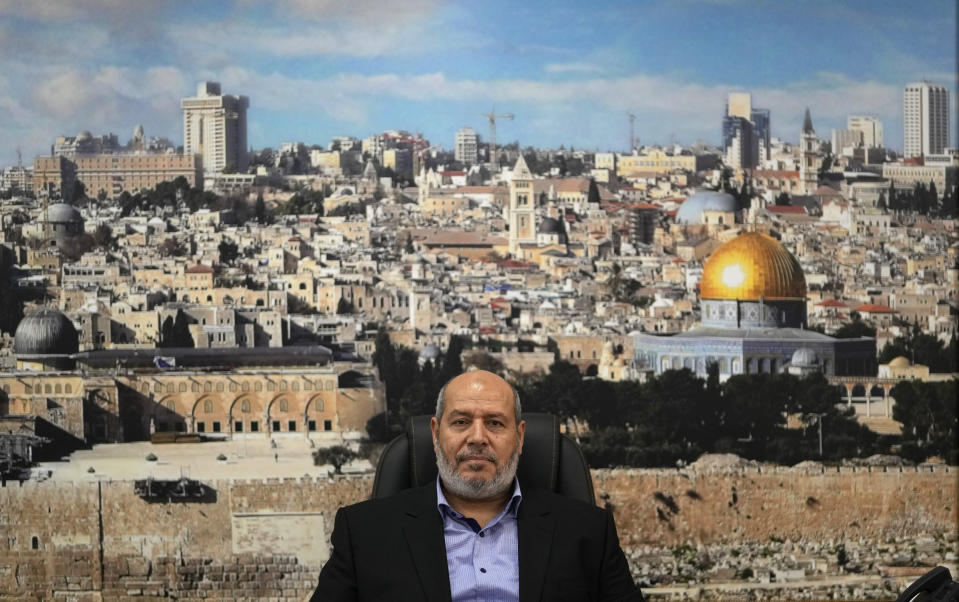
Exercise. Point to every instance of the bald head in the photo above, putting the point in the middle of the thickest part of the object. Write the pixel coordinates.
(478, 382)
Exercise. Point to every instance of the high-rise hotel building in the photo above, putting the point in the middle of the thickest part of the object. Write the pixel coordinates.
(925, 112)
(466, 149)
(214, 127)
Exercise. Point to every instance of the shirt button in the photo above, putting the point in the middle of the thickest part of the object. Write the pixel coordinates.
(482, 534)
(482, 570)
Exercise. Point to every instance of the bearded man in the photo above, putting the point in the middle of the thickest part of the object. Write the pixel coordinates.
(475, 534)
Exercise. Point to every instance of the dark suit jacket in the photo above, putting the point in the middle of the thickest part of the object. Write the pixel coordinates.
(394, 549)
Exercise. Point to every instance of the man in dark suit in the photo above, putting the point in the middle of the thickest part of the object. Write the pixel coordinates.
(475, 534)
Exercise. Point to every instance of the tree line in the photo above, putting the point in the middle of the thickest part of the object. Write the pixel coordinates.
(675, 417)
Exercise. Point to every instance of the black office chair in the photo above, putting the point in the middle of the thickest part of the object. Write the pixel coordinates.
(549, 460)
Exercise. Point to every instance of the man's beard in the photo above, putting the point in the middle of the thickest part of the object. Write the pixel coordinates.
(476, 488)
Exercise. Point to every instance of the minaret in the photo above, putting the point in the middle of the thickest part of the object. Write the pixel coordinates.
(809, 157)
(521, 216)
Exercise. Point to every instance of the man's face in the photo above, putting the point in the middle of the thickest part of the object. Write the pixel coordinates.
(477, 440)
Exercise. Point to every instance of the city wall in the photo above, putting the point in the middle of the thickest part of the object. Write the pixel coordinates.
(269, 537)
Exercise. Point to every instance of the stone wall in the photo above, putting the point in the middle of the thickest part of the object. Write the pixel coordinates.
(268, 538)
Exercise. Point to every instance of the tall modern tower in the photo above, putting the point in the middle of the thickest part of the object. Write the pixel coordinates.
(745, 132)
(466, 149)
(214, 127)
(925, 116)
(870, 128)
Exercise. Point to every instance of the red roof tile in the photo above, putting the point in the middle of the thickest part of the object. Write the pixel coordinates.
(831, 303)
(875, 308)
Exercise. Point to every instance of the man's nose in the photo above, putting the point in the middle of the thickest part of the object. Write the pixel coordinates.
(477, 434)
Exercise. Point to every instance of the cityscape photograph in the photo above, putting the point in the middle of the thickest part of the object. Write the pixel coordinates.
(712, 246)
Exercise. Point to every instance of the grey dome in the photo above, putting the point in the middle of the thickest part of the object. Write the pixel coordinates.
(430, 352)
(805, 357)
(84, 135)
(690, 212)
(63, 213)
(46, 332)
(551, 225)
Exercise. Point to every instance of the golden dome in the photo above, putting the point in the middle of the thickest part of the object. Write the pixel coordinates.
(751, 266)
(900, 362)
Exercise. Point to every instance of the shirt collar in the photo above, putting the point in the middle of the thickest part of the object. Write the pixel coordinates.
(512, 506)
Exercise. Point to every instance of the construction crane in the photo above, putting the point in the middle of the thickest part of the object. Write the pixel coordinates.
(418, 156)
(492, 117)
(632, 139)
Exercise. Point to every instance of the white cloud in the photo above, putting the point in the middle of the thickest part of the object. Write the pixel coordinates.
(573, 67)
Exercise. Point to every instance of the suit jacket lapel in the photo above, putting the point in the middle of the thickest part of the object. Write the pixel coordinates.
(535, 542)
(424, 536)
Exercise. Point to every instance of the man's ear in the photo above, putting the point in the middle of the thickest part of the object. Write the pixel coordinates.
(521, 428)
(434, 428)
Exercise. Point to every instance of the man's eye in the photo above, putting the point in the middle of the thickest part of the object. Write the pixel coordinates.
(495, 423)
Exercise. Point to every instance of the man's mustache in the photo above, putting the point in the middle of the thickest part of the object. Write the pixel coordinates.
(469, 452)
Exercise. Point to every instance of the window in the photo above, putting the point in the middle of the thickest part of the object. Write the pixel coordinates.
(270, 386)
(194, 387)
(201, 427)
(284, 405)
(329, 385)
(307, 386)
(157, 387)
(216, 426)
(207, 387)
(258, 386)
(254, 426)
(35, 542)
(47, 388)
(232, 387)
(28, 389)
(58, 388)
(182, 387)
(245, 406)
(169, 388)
(276, 426)
(245, 387)
(219, 387)
(295, 386)
(327, 425)
(238, 426)
(318, 405)
(208, 406)
(291, 426)
(311, 425)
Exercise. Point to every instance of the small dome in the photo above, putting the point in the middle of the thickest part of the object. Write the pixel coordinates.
(805, 357)
(750, 267)
(84, 136)
(900, 362)
(690, 212)
(46, 332)
(430, 352)
(63, 213)
(551, 225)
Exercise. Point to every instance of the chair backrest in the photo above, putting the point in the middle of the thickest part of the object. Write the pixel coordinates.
(549, 460)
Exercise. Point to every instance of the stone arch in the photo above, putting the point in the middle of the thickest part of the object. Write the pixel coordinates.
(169, 414)
(211, 414)
(246, 415)
(288, 420)
(858, 390)
(877, 391)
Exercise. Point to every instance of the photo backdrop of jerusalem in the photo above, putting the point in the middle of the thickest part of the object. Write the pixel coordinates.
(242, 243)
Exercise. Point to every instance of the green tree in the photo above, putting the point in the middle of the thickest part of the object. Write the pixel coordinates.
(593, 194)
(928, 413)
(228, 250)
(336, 455)
(167, 333)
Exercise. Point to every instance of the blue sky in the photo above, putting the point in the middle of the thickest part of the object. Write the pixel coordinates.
(569, 71)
